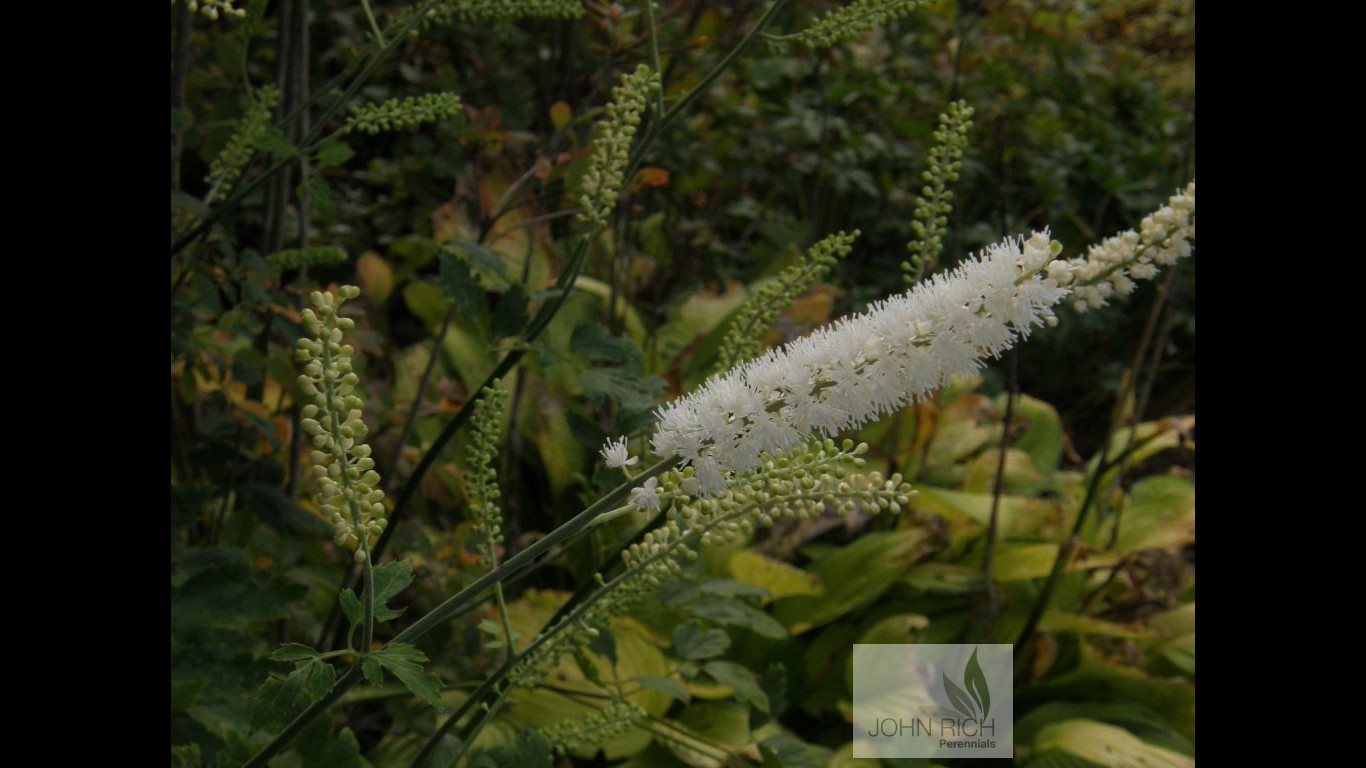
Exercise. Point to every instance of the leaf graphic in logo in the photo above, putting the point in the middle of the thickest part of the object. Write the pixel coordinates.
(976, 682)
(960, 700)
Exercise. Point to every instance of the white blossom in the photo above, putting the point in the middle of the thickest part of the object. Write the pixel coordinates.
(645, 497)
(863, 367)
(1110, 267)
(615, 455)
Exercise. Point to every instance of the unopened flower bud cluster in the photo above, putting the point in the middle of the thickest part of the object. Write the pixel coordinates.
(930, 221)
(612, 148)
(483, 481)
(849, 21)
(1110, 267)
(602, 726)
(348, 485)
(803, 483)
(212, 9)
(744, 339)
(403, 114)
(448, 12)
(228, 165)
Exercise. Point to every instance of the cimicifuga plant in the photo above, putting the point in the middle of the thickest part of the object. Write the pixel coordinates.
(602, 181)
(228, 165)
(930, 220)
(744, 339)
(842, 24)
(402, 114)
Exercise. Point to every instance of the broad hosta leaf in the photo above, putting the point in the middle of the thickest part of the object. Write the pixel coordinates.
(705, 729)
(778, 578)
(853, 576)
(1106, 745)
(1160, 514)
(405, 662)
(1042, 438)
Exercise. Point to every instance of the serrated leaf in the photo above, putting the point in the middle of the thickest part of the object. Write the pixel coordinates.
(692, 642)
(510, 315)
(292, 652)
(460, 286)
(960, 699)
(735, 613)
(665, 685)
(742, 680)
(597, 345)
(314, 191)
(405, 662)
(272, 142)
(279, 701)
(976, 682)
(334, 153)
(390, 579)
(484, 262)
(370, 667)
(351, 607)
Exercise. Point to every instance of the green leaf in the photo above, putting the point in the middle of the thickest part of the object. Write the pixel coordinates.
(351, 607)
(486, 263)
(272, 142)
(742, 680)
(314, 191)
(1105, 744)
(279, 701)
(334, 153)
(692, 642)
(405, 662)
(390, 579)
(735, 613)
(976, 682)
(370, 667)
(665, 685)
(789, 751)
(180, 120)
(510, 315)
(853, 576)
(460, 286)
(594, 343)
(293, 652)
(187, 755)
(775, 577)
(960, 700)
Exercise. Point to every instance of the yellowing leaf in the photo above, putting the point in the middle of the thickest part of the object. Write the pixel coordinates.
(376, 277)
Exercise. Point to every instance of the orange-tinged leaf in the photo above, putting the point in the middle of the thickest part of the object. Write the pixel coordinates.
(651, 176)
(376, 277)
(560, 114)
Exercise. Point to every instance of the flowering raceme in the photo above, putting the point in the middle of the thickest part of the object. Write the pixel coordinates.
(870, 365)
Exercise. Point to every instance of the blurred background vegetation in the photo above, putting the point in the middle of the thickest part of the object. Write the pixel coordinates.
(1085, 121)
